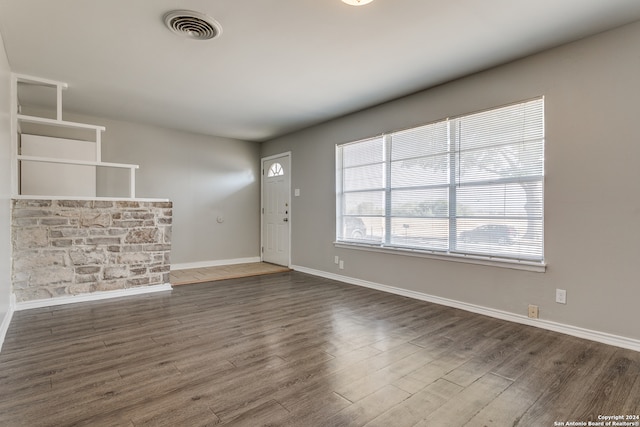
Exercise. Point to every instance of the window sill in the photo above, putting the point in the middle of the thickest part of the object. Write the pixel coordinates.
(538, 267)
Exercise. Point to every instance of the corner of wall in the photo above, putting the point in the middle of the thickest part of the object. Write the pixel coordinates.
(6, 321)
(7, 302)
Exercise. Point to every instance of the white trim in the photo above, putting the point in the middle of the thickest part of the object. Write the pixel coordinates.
(93, 296)
(537, 267)
(216, 263)
(262, 175)
(15, 129)
(275, 156)
(602, 337)
(97, 199)
(25, 78)
(7, 319)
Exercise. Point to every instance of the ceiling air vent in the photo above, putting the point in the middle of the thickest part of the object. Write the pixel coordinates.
(193, 25)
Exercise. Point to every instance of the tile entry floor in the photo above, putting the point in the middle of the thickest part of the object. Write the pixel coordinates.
(223, 272)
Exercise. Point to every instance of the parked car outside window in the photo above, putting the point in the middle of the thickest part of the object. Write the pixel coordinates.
(490, 233)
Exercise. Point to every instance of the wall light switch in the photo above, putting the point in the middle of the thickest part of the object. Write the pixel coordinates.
(296, 192)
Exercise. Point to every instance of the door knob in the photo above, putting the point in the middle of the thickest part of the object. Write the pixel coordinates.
(285, 219)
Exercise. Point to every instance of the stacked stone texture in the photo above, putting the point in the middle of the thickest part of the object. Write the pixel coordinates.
(71, 247)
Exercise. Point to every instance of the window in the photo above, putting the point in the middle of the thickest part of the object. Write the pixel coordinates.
(466, 186)
(275, 170)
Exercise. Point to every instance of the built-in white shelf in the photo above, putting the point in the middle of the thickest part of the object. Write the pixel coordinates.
(18, 118)
(98, 199)
(77, 162)
(59, 123)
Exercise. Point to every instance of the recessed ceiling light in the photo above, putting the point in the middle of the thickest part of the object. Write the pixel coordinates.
(193, 25)
(357, 2)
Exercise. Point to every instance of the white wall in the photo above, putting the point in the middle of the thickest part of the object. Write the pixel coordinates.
(205, 177)
(5, 188)
(592, 189)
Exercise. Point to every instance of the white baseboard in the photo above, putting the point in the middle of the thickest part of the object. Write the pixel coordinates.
(602, 337)
(94, 296)
(216, 263)
(7, 319)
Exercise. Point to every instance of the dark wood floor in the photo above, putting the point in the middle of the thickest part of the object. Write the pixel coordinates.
(297, 350)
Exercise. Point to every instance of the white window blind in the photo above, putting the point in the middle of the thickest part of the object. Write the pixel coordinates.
(468, 185)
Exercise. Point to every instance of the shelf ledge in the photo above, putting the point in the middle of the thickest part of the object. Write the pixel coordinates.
(76, 162)
(58, 123)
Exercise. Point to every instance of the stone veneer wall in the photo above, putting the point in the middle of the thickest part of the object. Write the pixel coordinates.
(70, 247)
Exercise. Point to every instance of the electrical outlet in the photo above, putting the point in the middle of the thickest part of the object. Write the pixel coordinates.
(341, 265)
(336, 259)
(561, 296)
(533, 311)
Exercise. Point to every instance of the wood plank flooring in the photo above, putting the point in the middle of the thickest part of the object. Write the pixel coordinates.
(223, 272)
(290, 349)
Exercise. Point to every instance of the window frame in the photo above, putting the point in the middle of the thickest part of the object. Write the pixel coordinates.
(384, 245)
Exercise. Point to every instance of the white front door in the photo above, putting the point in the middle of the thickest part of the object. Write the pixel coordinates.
(276, 209)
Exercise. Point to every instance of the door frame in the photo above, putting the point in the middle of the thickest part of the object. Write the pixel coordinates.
(262, 176)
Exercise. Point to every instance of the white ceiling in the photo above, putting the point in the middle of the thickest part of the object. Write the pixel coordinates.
(279, 65)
